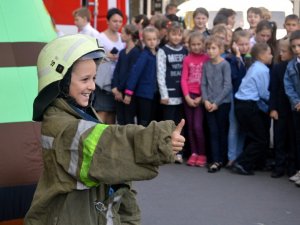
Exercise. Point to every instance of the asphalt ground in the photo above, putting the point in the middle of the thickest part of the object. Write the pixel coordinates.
(183, 195)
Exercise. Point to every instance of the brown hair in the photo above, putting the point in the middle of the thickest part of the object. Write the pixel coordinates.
(255, 10)
(202, 11)
(150, 29)
(161, 23)
(214, 40)
(142, 19)
(196, 34)
(174, 26)
(132, 30)
(220, 19)
(83, 12)
(266, 14)
(240, 33)
(269, 25)
(295, 35)
(258, 49)
(227, 12)
(220, 28)
(291, 17)
(284, 42)
(170, 6)
(157, 17)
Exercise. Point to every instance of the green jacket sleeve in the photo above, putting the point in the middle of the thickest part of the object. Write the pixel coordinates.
(94, 153)
(127, 153)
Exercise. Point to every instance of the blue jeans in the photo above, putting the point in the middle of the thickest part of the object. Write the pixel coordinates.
(236, 137)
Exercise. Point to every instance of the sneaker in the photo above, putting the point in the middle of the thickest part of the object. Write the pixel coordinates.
(178, 159)
(297, 183)
(214, 167)
(296, 177)
(239, 169)
(201, 161)
(192, 160)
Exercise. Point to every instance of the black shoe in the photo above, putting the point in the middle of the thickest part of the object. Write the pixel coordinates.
(277, 173)
(239, 169)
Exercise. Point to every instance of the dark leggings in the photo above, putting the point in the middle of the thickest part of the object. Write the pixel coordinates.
(194, 119)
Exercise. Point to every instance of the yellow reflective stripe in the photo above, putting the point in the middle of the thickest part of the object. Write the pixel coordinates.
(89, 147)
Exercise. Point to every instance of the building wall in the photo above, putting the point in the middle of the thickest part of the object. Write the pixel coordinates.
(140, 7)
(296, 7)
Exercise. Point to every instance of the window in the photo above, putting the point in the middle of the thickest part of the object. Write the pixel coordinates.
(278, 17)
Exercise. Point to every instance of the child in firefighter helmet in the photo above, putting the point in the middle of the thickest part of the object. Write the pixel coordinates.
(87, 164)
(56, 63)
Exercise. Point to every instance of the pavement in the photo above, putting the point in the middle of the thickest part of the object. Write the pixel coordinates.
(183, 195)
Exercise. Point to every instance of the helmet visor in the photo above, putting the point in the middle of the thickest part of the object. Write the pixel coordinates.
(98, 56)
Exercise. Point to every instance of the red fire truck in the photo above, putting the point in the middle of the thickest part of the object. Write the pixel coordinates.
(61, 12)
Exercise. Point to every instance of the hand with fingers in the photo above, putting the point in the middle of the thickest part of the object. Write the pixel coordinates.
(190, 101)
(274, 114)
(177, 139)
(127, 99)
(297, 107)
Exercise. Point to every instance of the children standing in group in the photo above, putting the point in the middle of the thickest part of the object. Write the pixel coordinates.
(191, 88)
(280, 112)
(142, 82)
(238, 61)
(127, 58)
(216, 94)
(169, 68)
(252, 110)
(292, 89)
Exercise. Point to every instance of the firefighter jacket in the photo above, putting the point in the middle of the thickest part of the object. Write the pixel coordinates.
(82, 159)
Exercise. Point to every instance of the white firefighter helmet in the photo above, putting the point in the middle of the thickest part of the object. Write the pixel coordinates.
(55, 59)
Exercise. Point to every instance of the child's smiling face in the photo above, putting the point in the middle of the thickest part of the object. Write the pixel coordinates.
(83, 81)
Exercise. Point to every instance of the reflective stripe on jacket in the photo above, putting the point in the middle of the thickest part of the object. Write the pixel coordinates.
(82, 158)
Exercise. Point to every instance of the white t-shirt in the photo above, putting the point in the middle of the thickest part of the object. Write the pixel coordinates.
(252, 41)
(90, 31)
(105, 70)
(109, 44)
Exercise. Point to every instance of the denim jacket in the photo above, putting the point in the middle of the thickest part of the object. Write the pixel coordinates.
(292, 83)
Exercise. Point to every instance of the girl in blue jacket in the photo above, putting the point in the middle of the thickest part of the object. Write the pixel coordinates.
(142, 82)
(127, 58)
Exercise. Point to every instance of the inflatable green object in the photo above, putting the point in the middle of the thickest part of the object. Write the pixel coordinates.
(25, 27)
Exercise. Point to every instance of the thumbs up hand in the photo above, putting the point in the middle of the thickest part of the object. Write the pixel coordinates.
(177, 139)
